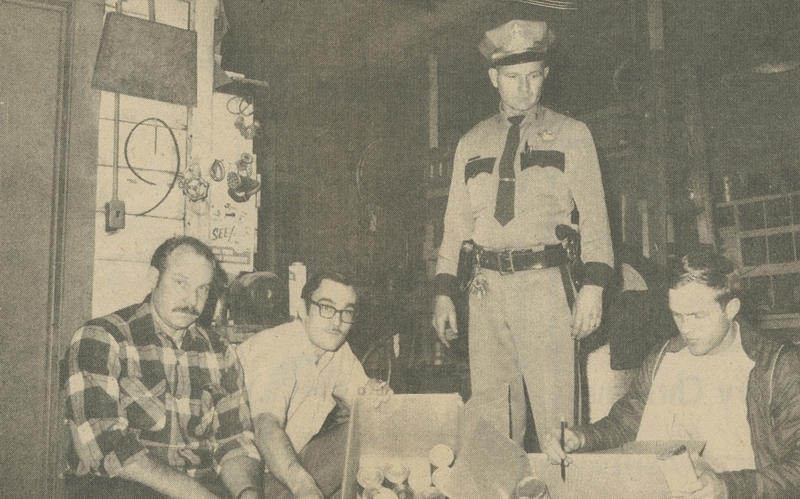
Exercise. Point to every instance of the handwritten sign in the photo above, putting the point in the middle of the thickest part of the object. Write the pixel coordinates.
(232, 232)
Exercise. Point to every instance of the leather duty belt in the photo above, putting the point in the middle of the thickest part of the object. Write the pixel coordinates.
(510, 261)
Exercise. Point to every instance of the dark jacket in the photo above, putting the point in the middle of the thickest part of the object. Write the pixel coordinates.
(773, 412)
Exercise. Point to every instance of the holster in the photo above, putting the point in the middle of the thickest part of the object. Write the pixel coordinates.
(571, 271)
(466, 264)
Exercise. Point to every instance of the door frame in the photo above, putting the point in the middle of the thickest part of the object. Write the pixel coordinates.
(72, 215)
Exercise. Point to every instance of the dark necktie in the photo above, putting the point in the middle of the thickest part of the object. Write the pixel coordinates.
(504, 208)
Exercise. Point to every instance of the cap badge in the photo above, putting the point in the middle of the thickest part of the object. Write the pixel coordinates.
(517, 35)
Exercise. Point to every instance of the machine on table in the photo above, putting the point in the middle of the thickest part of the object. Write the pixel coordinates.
(253, 302)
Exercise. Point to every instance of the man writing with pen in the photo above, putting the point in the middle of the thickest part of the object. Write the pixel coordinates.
(722, 382)
(295, 375)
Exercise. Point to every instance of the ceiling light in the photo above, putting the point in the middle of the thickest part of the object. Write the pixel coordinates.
(771, 67)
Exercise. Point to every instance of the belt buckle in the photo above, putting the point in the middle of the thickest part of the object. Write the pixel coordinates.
(539, 260)
(502, 268)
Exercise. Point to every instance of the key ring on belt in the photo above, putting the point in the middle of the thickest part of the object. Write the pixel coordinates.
(478, 282)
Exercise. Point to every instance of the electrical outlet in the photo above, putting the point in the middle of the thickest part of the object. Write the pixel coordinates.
(115, 215)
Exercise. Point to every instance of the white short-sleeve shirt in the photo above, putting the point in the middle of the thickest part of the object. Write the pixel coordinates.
(284, 378)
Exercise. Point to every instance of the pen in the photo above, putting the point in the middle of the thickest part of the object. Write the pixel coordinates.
(563, 464)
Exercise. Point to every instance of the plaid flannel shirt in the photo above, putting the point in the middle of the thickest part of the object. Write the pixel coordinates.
(130, 390)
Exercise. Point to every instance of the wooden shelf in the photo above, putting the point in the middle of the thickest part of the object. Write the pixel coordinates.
(755, 199)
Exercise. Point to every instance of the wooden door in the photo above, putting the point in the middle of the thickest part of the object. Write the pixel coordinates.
(37, 72)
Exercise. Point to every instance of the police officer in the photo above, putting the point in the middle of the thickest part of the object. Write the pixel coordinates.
(516, 177)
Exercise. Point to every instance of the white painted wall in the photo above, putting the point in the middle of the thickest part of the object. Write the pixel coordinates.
(122, 257)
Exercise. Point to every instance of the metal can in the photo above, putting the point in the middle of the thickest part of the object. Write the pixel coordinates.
(440, 477)
(403, 491)
(440, 456)
(370, 480)
(531, 488)
(384, 493)
(378, 493)
(431, 493)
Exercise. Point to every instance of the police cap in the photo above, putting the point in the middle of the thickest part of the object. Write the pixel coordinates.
(516, 42)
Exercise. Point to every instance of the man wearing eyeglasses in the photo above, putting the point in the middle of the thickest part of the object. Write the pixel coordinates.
(295, 374)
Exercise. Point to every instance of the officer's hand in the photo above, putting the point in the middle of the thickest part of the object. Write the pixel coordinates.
(552, 445)
(588, 311)
(444, 319)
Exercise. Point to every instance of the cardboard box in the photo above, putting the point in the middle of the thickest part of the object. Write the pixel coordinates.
(402, 429)
(488, 465)
(630, 472)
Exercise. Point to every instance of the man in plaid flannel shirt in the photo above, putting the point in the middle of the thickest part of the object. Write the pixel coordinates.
(155, 403)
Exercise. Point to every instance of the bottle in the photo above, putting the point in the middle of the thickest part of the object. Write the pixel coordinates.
(297, 279)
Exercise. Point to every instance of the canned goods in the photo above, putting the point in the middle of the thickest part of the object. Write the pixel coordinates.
(396, 473)
(378, 493)
(384, 493)
(440, 477)
(441, 456)
(403, 491)
(369, 478)
(432, 493)
(531, 488)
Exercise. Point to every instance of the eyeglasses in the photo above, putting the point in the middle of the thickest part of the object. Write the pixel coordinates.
(328, 312)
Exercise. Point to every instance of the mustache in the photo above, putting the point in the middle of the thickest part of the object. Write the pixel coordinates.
(187, 310)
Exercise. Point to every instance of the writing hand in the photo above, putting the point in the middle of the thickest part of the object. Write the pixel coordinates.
(713, 486)
(552, 446)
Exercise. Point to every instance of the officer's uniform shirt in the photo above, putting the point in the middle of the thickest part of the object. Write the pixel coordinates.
(556, 169)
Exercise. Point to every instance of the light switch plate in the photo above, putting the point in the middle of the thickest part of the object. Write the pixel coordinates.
(115, 215)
